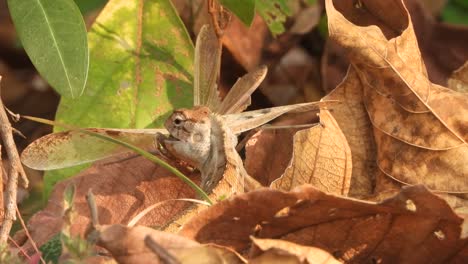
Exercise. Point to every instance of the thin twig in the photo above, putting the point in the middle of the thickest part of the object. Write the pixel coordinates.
(28, 235)
(15, 169)
(140, 215)
(162, 253)
(20, 249)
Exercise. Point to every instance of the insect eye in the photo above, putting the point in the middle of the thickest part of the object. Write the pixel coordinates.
(177, 121)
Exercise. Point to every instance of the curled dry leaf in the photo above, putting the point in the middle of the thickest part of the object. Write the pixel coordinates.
(269, 151)
(414, 226)
(442, 45)
(321, 157)
(354, 123)
(411, 116)
(275, 248)
(130, 245)
(122, 189)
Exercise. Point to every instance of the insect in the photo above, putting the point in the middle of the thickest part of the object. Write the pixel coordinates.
(204, 136)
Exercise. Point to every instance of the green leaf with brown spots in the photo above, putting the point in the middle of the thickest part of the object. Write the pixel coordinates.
(141, 64)
(274, 12)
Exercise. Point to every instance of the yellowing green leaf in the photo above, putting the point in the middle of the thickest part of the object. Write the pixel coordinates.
(141, 69)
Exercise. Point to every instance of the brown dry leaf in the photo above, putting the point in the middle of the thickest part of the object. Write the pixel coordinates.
(268, 153)
(122, 190)
(442, 45)
(459, 79)
(387, 187)
(416, 131)
(354, 122)
(321, 157)
(294, 79)
(210, 254)
(246, 43)
(415, 226)
(443, 48)
(274, 256)
(127, 245)
(333, 65)
(303, 254)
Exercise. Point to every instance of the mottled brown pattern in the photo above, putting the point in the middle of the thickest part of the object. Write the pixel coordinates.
(414, 226)
(420, 128)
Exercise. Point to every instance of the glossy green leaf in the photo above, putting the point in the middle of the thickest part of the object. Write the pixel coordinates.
(141, 69)
(243, 9)
(274, 12)
(53, 34)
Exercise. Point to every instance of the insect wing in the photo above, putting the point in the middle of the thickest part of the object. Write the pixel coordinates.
(238, 98)
(71, 148)
(245, 121)
(207, 64)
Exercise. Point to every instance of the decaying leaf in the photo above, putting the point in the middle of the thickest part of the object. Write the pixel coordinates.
(442, 45)
(275, 248)
(387, 187)
(122, 189)
(268, 153)
(321, 157)
(354, 122)
(410, 115)
(414, 226)
(133, 245)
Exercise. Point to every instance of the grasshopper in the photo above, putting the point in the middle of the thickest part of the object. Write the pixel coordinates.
(204, 136)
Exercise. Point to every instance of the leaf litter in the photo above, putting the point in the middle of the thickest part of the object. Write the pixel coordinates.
(393, 128)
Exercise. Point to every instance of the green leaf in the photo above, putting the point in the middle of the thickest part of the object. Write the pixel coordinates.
(243, 9)
(456, 12)
(89, 5)
(53, 34)
(274, 12)
(52, 249)
(141, 69)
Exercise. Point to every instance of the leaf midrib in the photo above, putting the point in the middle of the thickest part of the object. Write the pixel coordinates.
(56, 45)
